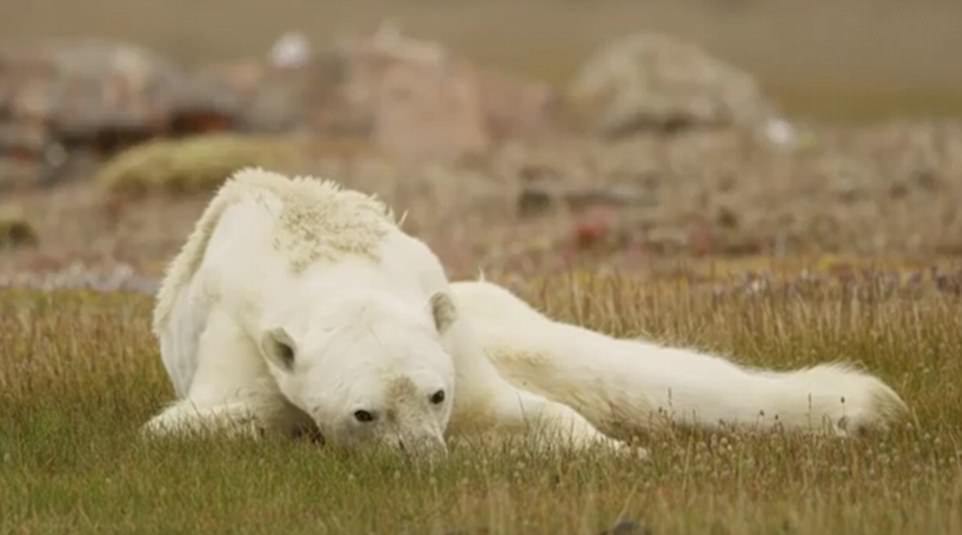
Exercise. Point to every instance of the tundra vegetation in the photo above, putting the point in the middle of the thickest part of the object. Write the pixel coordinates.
(81, 373)
(795, 212)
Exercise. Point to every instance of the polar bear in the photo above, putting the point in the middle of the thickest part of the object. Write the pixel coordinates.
(298, 306)
(627, 387)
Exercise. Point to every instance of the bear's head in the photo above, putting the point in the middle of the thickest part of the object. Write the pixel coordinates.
(368, 369)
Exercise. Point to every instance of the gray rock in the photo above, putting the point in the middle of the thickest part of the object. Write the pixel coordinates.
(651, 81)
(60, 97)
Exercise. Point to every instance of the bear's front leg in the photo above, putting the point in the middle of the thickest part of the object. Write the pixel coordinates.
(184, 417)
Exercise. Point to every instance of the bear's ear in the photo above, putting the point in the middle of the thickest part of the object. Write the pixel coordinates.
(278, 347)
(443, 310)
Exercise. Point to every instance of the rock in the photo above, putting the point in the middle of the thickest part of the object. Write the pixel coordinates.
(99, 95)
(409, 97)
(15, 231)
(516, 108)
(106, 95)
(426, 102)
(285, 95)
(651, 81)
(106, 90)
(538, 196)
(201, 104)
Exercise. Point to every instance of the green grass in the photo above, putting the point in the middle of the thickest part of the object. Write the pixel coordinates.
(79, 373)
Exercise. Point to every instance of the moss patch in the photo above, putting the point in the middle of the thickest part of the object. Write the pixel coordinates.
(199, 163)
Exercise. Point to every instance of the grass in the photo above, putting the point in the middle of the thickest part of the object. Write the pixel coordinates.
(79, 373)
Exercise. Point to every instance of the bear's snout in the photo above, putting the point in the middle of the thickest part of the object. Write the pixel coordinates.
(423, 446)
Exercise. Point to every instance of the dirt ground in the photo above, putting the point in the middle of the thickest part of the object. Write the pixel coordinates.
(877, 193)
(885, 188)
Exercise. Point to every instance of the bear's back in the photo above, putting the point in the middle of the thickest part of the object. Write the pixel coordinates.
(308, 220)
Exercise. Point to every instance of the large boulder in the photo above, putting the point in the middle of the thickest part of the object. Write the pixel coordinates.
(410, 98)
(423, 102)
(650, 81)
(61, 98)
(93, 90)
(281, 95)
(426, 102)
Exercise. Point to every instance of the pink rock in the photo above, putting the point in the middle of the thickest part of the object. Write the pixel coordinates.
(428, 103)
(424, 103)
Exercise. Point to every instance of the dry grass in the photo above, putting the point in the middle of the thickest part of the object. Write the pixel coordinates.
(79, 373)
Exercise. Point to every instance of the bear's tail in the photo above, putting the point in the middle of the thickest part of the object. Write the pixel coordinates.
(626, 386)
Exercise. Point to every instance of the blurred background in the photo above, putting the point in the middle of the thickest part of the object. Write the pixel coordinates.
(520, 137)
(859, 59)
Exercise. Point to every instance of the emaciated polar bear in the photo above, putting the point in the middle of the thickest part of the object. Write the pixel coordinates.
(296, 305)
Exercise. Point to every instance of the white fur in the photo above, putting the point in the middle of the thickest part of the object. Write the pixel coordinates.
(278, 267)
(625, 387)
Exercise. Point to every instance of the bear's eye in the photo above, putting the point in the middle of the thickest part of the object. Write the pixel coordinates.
(438, 397)
(286, 354)
(363, 416)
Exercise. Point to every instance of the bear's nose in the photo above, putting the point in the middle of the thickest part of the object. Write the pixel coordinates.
(422, 446)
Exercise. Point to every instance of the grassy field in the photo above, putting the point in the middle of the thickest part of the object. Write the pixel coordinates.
(80, 373)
